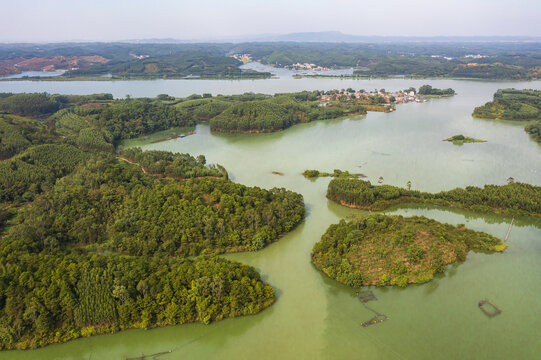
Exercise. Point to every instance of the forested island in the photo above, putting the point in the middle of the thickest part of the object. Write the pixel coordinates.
(394, 250)
(461, 139)
(514, 198)
(512, 104)
(96, 239)
(99, 120)
(127, 61)
(311, 174)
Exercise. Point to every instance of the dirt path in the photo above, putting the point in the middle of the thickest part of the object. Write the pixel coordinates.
(133, 163)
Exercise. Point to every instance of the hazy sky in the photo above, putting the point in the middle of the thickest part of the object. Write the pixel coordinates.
(107, 20)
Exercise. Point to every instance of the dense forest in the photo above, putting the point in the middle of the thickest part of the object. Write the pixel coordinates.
(482, 59)
(393, 250)
(113, 205)
(512, 104)
(99, 215)
(18, 133)
(95, 239)
(98, 122)
(42, 104)
(278, 113)
(513, 198)
(27, 174)
(49, 299)
(204, 64)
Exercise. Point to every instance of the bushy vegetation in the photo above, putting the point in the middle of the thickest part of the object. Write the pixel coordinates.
(25, 175)
(18, 133)
(29, 104)
(393, 250)
(309, 174)
(461, 139)
(512, 104)
(534, 130)
(50, 299)
(118, 206)
(430, 91)
(132, 118)
(68, 121)
(93, 139)
(172, 164)
(104, 245)
(279, 112)
(43, 104)
(513, 198)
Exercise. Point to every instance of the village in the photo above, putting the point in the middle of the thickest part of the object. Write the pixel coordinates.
(376, 97)
(245, 58)
(306, 66)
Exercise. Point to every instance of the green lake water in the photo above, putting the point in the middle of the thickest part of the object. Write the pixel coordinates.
(315, 317)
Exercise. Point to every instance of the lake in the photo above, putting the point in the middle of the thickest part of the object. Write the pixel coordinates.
(33, 73)
(315, 317)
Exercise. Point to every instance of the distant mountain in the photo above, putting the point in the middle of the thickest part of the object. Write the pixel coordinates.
(339, 37)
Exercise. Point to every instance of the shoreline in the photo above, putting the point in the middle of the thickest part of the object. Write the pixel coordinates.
(118, 78)
(404, 77)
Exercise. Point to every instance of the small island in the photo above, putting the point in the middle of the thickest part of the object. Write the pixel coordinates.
(461, 139)
(311, 174)
(393, 250)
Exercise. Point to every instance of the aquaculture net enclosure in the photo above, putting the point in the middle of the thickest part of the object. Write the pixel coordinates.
(365, 295)
(488, 308)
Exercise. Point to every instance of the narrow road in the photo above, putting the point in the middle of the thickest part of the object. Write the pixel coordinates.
(133, 163)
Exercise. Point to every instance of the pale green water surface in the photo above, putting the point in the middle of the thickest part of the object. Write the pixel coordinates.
(317, 318)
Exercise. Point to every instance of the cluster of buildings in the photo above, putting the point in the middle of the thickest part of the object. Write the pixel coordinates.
(440, 56)
(245, 58)
(388, 98)
(138, 56)
(478, 56)
(306, 66)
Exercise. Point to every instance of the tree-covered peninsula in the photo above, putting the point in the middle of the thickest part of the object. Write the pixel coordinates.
(95, 239)
(394, 250)
(122, 236)
(279, 112)
(429, 91)
(512, 104)
(513, 198)
(97, 121)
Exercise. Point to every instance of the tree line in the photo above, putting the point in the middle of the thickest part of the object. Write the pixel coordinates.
(513, 198)
(513, 104)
